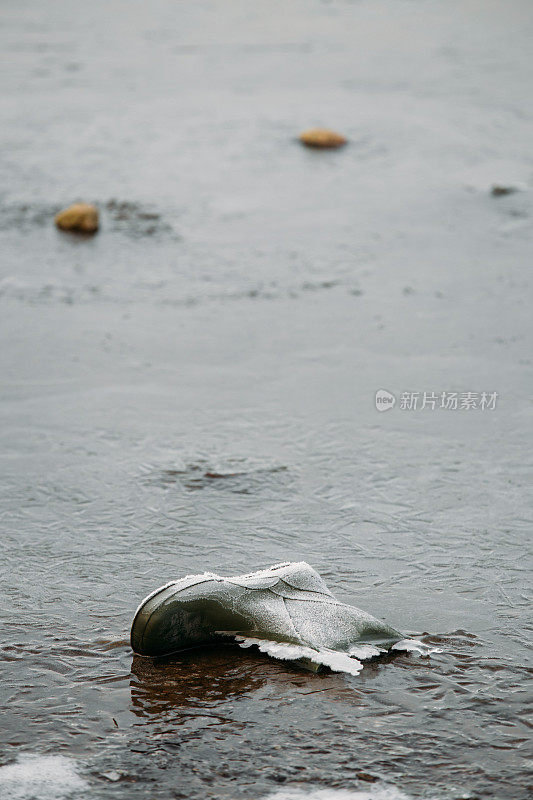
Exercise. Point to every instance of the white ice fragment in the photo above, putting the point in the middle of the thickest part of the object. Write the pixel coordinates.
(365, 651)
(336, 661)
(113, 775)
(416, 646)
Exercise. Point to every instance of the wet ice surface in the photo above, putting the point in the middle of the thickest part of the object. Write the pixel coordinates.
(250, 321)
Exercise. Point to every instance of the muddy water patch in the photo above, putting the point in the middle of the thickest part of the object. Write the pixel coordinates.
(136, 219)
(131, 218)
(234, 475)
(24, 216)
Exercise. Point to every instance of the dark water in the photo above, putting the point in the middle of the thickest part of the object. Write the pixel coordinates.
(193, 388)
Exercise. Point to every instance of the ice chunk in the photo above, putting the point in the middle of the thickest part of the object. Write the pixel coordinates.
(416, 646)
(337, 662)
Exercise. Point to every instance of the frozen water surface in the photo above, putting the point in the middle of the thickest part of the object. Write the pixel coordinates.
(193, 388)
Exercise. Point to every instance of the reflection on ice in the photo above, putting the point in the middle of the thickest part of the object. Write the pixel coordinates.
(175, 690)
(207, 676)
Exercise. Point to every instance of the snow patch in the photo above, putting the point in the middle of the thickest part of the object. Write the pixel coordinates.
(36, 777)
(376, 792)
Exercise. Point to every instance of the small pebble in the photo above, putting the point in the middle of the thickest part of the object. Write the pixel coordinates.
(80, 218)
(365, 776)
(321, 137)
(501, 191)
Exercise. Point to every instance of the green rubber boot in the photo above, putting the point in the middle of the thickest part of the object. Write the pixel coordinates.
(286, 610)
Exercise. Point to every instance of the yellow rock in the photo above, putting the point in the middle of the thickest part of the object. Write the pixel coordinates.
(321, 137)
(80, 217)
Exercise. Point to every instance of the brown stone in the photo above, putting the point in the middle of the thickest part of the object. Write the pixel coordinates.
(500, 191)
(321, 137)
(365, 776)
(80, 217)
